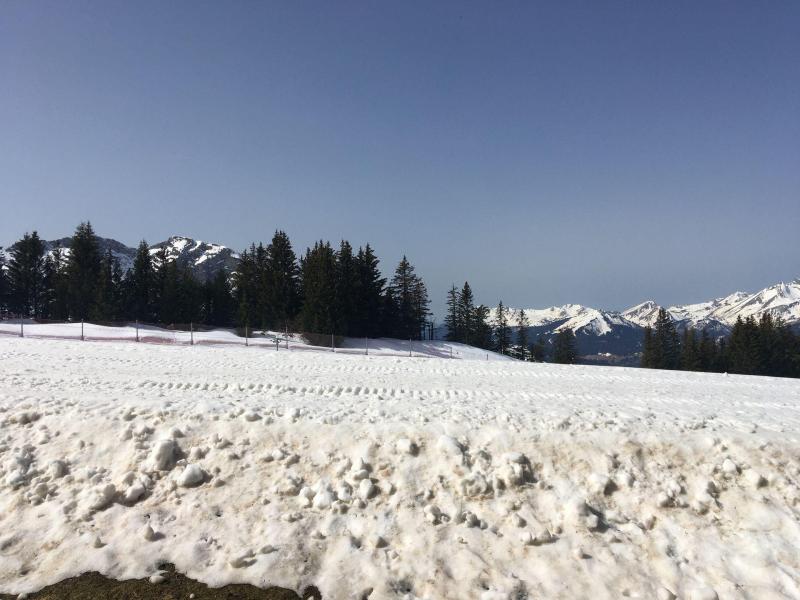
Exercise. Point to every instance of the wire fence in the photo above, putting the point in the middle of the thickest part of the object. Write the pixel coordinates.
(191, 334)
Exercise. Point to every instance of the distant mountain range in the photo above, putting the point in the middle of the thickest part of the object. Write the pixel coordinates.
(203, 258)
(611, 336)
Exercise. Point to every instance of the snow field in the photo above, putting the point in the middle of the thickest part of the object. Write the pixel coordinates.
(264, 340)
(390, 477)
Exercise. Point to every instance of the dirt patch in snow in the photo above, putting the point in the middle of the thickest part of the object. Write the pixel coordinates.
(174, 586)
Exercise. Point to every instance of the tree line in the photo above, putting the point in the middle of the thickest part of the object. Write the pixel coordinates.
(468, 323)
(755, 347)
(325, 291)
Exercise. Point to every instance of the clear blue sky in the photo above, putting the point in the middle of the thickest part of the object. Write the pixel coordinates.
(592, 152)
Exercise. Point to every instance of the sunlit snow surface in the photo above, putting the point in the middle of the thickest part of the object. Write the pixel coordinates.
(412, 477)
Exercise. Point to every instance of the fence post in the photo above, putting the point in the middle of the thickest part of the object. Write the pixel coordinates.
(137, 330)
(333, 344)
(366, 345)
(82, 330)
(191, 334)
(286, 334)
(451, 352)
(410, 347)
(277, 343)
(21, 327)
(245, 336)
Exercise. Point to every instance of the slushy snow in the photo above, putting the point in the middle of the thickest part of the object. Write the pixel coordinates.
(393, 477)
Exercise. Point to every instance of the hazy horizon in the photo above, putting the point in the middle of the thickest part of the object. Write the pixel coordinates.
(549, 154)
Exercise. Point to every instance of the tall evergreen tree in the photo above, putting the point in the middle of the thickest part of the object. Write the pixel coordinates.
(466, 315)
(648, 360)
(501, 332)
(284, 285)
(104, 307)
(522, 333)
(565, 348)
(539, 350)
(140, 285)
(369, 294)
(245, 288)
(690, 351)
(318, 268)
(26, 276)
(452, 320)
(708, 352)
(218, 305)
(481, 334)
(83, 269)
(666, 344)
(345, 309)
(411, 296)
(56, 285)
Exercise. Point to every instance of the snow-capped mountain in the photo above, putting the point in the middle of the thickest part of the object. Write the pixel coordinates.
(643, 314)
(620, 333)
(596, 331)
(119, 250)
(780, 300)
(203, 258)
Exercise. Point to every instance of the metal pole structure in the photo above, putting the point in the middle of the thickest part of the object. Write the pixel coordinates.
(137, 330)
(191, 334)
(82, 330)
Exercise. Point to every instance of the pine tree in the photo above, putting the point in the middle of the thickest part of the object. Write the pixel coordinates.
(466, 315)
(564, 349)
(284, 280)
(481, 335)
(262, 294)
(522, 333)
(690, 351)
(26, 276)
(666, 344)
(104, 307)
(318, 268)
(83, 269)
(346, 285)
(452, 320)
(411, 296)
(502, 337)
(140, 285)
(648, 349)
(539, 350)
(218, 306)
(245, 288)
(369, 294)
(743, 351)
(708, 352)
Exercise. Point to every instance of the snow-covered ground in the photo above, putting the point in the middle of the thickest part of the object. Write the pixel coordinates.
(411, 478)
(259, 339)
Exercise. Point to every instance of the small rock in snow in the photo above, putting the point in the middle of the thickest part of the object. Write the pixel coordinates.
(191, 476)
(366, 489)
